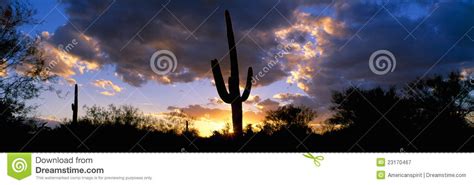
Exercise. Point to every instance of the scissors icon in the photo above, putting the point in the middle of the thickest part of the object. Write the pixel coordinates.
(316, 159)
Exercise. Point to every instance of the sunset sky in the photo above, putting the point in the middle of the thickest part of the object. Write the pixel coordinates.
(331, 43)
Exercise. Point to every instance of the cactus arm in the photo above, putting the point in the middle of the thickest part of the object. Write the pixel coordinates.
(220, 85)
(234, 66)
(248, 85)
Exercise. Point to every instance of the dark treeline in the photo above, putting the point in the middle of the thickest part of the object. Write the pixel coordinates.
(430, 115)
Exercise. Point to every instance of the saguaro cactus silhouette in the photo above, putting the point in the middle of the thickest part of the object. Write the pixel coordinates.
(186, 130)
(232, 96)
(74, 106)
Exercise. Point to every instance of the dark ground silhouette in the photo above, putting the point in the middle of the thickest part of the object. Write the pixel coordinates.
(428, 117)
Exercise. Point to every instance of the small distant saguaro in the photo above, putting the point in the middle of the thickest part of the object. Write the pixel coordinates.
(74, 106)
(187, 127)
(233, 96)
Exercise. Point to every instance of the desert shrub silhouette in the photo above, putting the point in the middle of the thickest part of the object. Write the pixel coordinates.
(375, 120)
(427, 115)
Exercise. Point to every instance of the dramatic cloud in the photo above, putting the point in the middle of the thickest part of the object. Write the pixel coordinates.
(330, 42)
(127, 33)
(110, 88)
(60, 61)
(338, 42)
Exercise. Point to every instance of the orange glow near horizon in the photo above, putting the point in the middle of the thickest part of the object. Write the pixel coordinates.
(208, 122)
(205, 127)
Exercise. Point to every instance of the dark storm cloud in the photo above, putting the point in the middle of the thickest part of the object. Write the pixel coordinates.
(439, 38)
(353, 31)
(193, 30)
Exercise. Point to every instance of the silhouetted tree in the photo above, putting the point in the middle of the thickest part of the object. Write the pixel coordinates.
(114, 115)
(22, 69)
(439, 109)
(428, 115)
(22, 65)
(289, 116)
(351, 105)
(450, 96)
(249, 130)
(362, 114)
